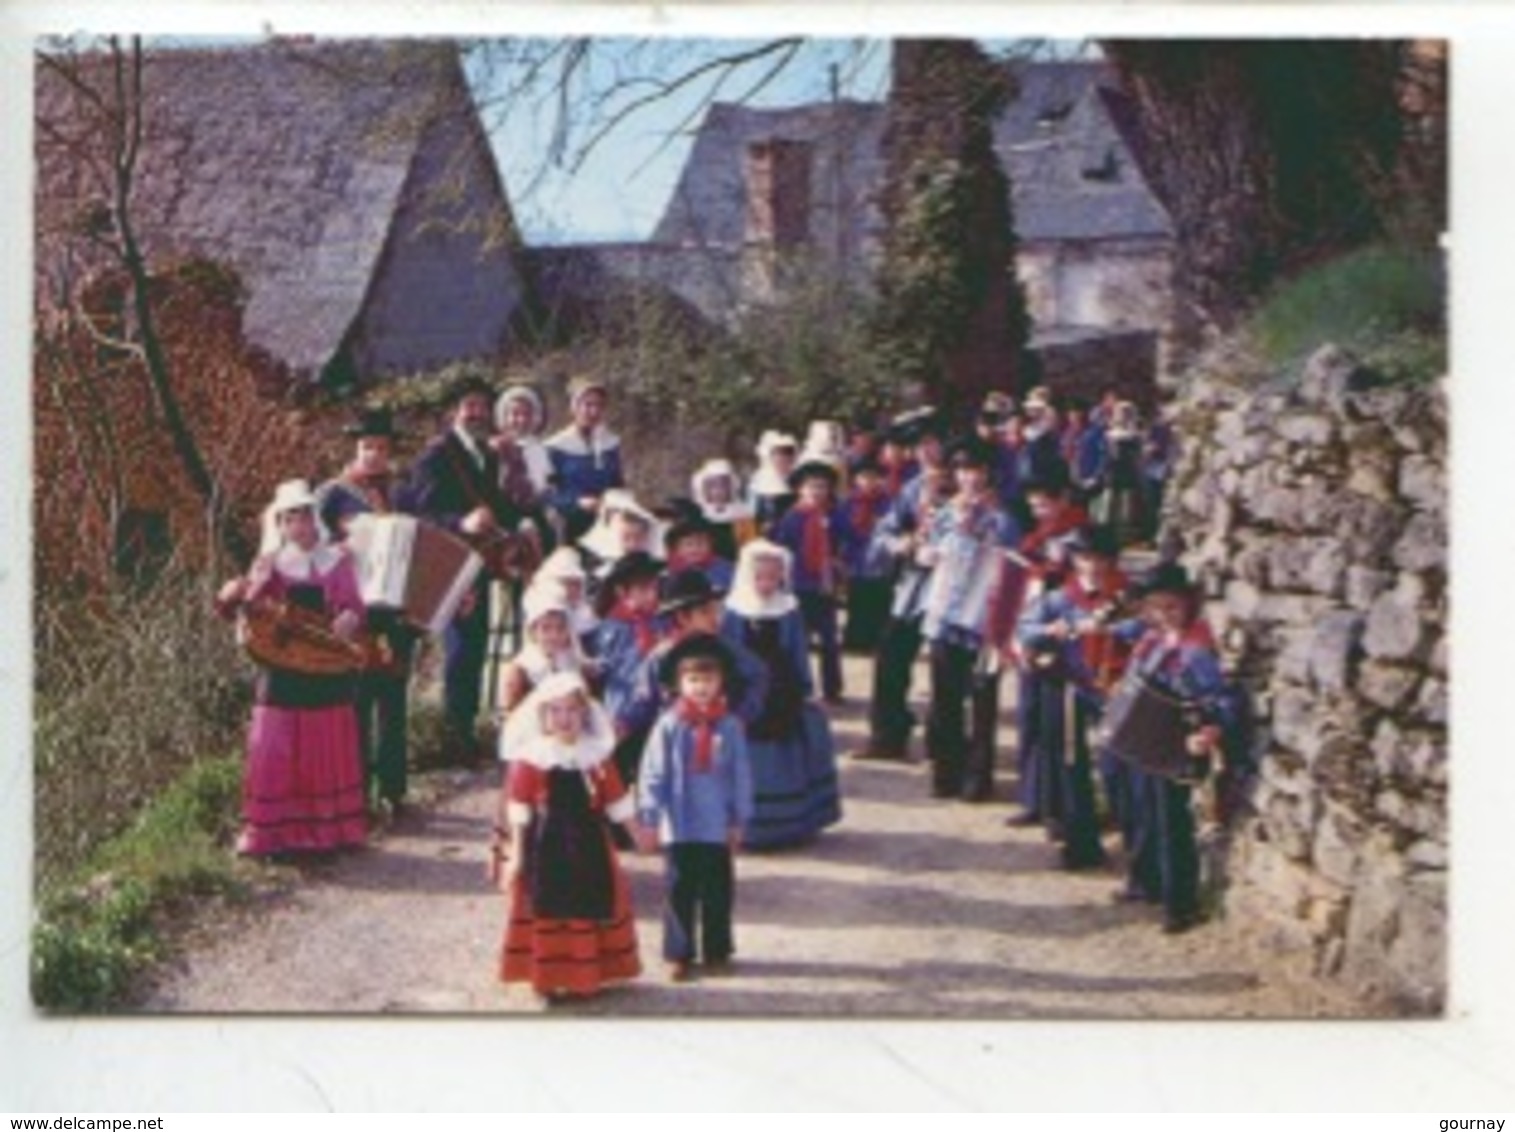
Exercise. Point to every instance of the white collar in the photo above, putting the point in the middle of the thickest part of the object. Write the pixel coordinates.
(571, 441)
(293, 562)
(469, 443)
(747, 603)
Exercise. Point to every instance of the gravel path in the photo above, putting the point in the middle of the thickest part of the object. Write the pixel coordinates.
(908, 908)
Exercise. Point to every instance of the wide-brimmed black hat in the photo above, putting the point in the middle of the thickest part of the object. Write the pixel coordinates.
(1166, 578)
(468, 384)
(696, 646)
(970, 452)
(372, 422)
(634, 567)
(810, 469)
(682, 524)
(688, 589)
(914, 425)
(1097, 539)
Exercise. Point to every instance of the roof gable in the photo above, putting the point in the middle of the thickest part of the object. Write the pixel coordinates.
(284, 160)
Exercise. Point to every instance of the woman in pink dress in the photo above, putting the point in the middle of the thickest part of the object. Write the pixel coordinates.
(303, 787)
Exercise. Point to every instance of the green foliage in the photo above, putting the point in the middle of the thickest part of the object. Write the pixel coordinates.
(130, 688)
(94, 935)
(1383, 303)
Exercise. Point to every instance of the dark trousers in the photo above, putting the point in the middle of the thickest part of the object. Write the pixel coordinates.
(953, 687)
(1027, 717)
(465, 644)
(867, 613)
(819, 611)
(889, 717)
(978, 780)
(1066, 724)
(700, 885)
(1164, 864)
(382, 709)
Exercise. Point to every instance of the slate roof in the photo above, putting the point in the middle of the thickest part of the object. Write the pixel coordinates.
(576, 280)
(285, 159)
(1066, 142)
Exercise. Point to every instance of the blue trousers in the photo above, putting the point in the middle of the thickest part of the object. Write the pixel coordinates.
(889, 716)
(700, 883)
(465, 645)
(1165, 862)
(819, 612)
(1026, 718)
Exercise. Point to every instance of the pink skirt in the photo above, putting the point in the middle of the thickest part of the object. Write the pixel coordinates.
(303, 789)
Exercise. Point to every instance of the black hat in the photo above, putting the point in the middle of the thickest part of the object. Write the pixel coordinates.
(683, 525)
(471, 382)
(914, 425)
(372, 422)
(1166, 578)
(866, 464)
(809, 469)
(634, 567)
(696, 646)
(970, 452)
(688, 589)
(1098, 540)
(1053, 481)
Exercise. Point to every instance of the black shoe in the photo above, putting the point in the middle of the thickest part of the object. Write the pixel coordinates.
(882, 752)
(1024, 820)
(945, 790)
(1082, 862)
(1129, 894)
(978, 792)
(1175, 925)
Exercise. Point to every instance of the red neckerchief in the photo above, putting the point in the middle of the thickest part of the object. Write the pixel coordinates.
(703, 720)
(640, 622)
(864, 510)
(1066, 522)
(374, 488)
(1097, 647)
(815, 550)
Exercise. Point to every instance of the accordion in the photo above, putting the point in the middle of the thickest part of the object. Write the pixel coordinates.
(414, 566)
(1149, 728)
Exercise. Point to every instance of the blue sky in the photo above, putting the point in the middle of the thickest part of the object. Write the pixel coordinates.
(627, 176)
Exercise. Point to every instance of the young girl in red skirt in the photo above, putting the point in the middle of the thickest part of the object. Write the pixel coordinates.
(303, 788)
(571, 929)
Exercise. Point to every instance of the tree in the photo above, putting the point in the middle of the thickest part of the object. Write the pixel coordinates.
(1268, 154)
(98, 126)
(952, 318)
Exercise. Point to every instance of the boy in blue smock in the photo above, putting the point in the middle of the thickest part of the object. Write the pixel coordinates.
(695, 789)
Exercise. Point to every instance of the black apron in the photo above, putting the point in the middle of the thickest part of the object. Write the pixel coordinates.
(568, 863)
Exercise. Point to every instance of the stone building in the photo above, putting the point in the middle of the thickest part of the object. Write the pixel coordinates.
(795, 189)
(349, 184)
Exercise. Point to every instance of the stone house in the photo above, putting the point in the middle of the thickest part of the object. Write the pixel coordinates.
(349, 184)
(770, 195)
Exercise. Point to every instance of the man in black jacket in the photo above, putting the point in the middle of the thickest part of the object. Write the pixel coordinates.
(456, 484)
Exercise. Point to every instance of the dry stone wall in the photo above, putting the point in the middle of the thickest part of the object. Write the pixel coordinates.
(1316, 519)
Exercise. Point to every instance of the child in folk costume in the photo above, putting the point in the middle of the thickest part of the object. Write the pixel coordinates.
(696, 789)
(901, 536)
(1176, 651)
(369, 486)
(816, 532)
(622, 527)
(717, 494)
(869, 571)
(570, 930)
(692, 606)
(562, 571)
(629, 631)
(585, 458)
(965, 546)
(303, 786)
(691, 545)
(1120, 503)
(1057, 521)
(550, 647)
(771, 492)
(795, 788)
(1070, 629)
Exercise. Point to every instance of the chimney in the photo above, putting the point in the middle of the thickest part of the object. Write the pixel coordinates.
(777, 174)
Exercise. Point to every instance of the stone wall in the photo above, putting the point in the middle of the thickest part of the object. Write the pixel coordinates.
(1317, 521)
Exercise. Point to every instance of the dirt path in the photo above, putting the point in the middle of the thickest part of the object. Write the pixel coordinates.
(908, 908)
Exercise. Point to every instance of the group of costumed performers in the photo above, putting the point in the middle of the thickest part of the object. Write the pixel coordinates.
(662, 692)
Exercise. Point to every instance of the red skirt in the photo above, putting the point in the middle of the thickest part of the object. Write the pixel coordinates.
(303, 788)
(570, 957)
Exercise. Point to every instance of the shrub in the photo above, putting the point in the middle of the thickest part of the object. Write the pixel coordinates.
(1384, 303)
